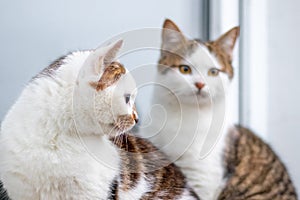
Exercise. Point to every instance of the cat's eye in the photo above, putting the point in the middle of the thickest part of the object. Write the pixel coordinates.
(127, 98)
(185, 69)
(213, 72)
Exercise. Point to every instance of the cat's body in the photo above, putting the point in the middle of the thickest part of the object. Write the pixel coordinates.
(64, 137)
(259, 176)
(205, 175)
(197, 77)
(167, 180)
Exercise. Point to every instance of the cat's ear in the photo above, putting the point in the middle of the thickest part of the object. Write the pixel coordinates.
(106, 65)
(112, 51)
(106, 55)
(227, 41)
(172, 37)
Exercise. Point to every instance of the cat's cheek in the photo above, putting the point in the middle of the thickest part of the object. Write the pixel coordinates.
(124, 123)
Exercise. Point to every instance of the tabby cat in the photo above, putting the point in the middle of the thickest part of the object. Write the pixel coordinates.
(74, 112)
(197, 76)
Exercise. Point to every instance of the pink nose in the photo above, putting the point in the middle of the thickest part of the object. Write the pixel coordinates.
(199, 85)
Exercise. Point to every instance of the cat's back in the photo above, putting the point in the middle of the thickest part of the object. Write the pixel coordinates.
(254, 171)
(141, 160)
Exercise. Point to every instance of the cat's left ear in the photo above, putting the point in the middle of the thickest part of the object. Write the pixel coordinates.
(228, 40)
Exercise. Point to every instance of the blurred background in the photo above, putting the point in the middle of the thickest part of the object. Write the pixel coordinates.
(266, 94)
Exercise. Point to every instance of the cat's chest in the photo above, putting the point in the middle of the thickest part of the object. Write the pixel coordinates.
(184, 123)
(67, 169)
(182, 138)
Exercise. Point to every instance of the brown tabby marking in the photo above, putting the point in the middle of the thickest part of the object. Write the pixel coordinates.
(48, 71)
(124, 121)
(113, 194)
(134, 114)
(3, 193)
(175, 53)
(167, 60)
(254, 171)
(111, 75)
(176, 56)
(141, 158)
(222, 49)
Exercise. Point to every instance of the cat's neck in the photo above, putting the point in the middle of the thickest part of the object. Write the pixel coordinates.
(190, 127)
(46, 110)
(193, 136)
(41, 123)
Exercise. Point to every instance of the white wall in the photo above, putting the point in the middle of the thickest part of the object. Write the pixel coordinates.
(254, 66)
(34, 33)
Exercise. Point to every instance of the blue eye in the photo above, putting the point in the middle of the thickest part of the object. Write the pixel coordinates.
(127, 98)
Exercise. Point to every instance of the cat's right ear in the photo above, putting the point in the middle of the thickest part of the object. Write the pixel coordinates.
(172, 37)
(112, 51)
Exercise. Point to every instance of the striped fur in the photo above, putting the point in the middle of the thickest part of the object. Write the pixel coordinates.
(3, 193)
(141, 160)
(253, 170)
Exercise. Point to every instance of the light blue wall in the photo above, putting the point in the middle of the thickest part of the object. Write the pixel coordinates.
(271, 43)
(284, 81)
(33, 33)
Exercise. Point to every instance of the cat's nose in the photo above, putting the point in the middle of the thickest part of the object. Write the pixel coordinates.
(136, 120)
(135, 116)
(199, 85)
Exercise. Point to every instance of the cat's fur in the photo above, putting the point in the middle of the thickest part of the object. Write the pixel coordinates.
(191, 102)
(65, 137)
(254, 171)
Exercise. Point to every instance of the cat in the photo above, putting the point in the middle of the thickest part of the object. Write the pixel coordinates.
(196, 78)
(77, 110)
(3, 194)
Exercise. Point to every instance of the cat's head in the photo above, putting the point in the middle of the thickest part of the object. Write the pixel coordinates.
(113, 90)
(195, 68)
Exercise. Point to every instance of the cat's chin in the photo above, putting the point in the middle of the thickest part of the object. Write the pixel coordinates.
(119, 132)
(196, 98)
(114, 130)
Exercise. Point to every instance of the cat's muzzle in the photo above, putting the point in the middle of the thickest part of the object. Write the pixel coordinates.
(126, 122)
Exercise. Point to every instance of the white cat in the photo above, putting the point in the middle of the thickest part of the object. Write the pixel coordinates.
(195, 78)
(42, 157)
(193, 95)
(65, 137)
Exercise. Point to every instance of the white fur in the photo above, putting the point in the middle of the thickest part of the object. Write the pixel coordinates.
(42, 156)
(180, 129)
(186, 195)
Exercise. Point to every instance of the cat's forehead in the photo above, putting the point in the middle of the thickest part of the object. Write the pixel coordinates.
(201, 57)
(192, 53)
(126, 84)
